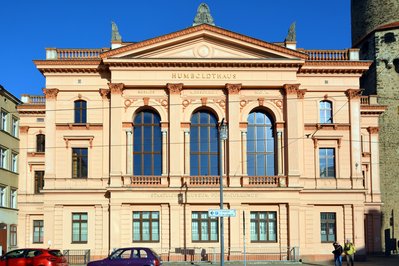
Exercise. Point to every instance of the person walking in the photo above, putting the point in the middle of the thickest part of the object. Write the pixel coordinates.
(350, 251)
(337, 254)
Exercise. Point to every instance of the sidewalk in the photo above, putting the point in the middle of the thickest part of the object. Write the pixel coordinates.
(392, 260)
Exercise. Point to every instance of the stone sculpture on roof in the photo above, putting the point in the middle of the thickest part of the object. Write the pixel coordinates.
(115, 33)
(203, 16)
(291, 36)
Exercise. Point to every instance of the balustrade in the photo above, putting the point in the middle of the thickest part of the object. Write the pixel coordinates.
(327, 55)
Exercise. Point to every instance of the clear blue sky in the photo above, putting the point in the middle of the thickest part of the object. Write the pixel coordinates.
(27, 27)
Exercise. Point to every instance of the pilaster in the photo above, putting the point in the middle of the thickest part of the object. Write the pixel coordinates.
(50, 121)
(375, 185)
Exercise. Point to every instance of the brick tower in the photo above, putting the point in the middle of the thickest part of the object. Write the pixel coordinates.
(375, 30)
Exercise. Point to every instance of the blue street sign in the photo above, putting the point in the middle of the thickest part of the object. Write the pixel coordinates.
(222, 213)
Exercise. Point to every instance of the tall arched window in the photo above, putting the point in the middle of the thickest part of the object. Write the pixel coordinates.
(80, 111)
(326, 112)
(40, 143)
(204, 149)
(147, 144)
(260, 145)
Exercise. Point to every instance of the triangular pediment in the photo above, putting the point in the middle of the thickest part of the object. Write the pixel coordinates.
(203, 42)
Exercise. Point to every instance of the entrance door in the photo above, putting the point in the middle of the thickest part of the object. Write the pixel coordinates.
(3, 237)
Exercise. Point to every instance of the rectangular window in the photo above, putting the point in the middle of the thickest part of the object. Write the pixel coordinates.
(13, 199)
(263, 226)
(146, 226)
(14, 130)
(2, 196)
(3, 158)
(40, 143)
(328, 226)
(79, 227)
(38, 231)
(4, 121)
(327, 162)
(80, 111)
(14, 162)
(39, 181)
(79, 162)
(204, 228)
(13, 235)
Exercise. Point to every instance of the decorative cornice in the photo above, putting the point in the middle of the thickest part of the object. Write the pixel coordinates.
(51, 94)
(105, 93)
(69, 126)
(353, 94)
(174, 88)
(334, 67)
(116, 88)
(233, 88)
(199, 28)
(373, 130)
(318, 127)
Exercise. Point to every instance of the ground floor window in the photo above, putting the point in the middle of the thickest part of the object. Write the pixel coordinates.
(328, 226)
(203, 227)
(38, 231)
(79, 227)
(13, 235)
(146, 226)
(263, 226)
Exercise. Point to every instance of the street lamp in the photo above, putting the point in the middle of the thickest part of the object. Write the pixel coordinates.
(222, 137)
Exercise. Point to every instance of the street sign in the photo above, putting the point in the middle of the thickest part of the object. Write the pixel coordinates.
(222, 213)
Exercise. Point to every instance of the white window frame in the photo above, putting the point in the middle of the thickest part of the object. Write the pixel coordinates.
(15, 123)
(14, 162)
(13, 199)
(4, 120)
(3, 158)
(2, 196)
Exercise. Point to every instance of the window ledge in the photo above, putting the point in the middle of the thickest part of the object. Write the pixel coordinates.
(78, 126)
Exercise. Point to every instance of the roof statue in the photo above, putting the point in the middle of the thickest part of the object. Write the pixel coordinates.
(203, 16)
(116, 37)
(291, 36)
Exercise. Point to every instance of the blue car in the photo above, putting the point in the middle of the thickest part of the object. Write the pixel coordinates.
(132, 256)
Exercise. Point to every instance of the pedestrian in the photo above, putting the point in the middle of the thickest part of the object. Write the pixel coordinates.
(350, 251)
(337, 254)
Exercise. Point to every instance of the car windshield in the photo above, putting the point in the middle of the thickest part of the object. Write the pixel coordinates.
(155, 254)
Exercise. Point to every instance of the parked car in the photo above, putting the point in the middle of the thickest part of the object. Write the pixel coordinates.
(132, 256)
(33, 257)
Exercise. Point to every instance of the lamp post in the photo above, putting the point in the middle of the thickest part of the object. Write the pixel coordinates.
(222, 137)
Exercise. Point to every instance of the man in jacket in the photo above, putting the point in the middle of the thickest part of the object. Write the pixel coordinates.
(337, 254)
(349, 250)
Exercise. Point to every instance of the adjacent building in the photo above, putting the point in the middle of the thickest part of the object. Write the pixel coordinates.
(375, 31)
(9, 153)
(124, 148)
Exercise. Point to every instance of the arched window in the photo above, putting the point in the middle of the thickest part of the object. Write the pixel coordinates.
(147, 144)
(204, 149)
(80, 111)
(40, 143)
(326, 112)
(260, 145)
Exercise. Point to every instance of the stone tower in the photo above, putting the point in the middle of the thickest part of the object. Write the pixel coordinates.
(375, 30)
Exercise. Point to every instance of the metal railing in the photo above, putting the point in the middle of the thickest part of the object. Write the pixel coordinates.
(77, 256)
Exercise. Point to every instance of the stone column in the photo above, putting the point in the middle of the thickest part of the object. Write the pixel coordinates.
(175, 136)
(129, 151)
(105, 95)
(164, 152)
(116, 131)
(355, 136)
(293, 103)
(50, 121)
(279, 153)
(244, 153)
(374, 164)
(233, 113)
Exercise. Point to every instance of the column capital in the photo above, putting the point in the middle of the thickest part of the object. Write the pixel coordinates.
(23, 129)
(373, 130)
(50, 93)
(353, 93)
(104, 93)
(116, 88)
(233, 88)
(293, 89)
(174, 88)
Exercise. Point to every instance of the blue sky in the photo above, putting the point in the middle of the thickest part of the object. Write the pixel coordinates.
(27, 27)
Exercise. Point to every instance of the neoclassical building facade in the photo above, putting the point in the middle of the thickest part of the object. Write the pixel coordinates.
(123, 148)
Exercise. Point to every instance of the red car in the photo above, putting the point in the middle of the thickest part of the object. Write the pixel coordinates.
(33, 257)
